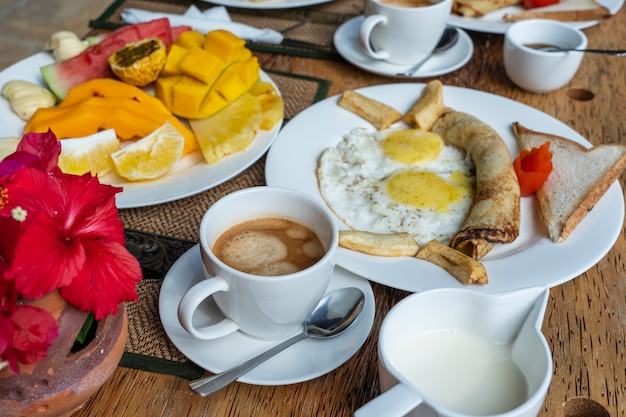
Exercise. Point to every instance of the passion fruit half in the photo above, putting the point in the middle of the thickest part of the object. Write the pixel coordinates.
(139, 63)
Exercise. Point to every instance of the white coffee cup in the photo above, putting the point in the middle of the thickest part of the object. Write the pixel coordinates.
(540, 71)
(264, 307)
(403, 34)
(460, 353)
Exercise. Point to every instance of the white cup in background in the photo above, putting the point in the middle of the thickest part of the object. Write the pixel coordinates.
(264, 307)
(403, 32)
(458, 353)
(540, 71)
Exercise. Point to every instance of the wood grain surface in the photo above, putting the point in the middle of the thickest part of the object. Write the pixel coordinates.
(584, 323)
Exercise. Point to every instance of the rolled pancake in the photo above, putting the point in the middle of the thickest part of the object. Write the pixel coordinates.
(495, 214)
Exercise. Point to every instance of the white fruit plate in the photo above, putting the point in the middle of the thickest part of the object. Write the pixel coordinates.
(190, 176)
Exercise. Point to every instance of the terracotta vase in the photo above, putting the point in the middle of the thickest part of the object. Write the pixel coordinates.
(62, 383)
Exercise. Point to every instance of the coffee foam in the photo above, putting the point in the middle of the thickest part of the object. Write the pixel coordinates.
(269, 247)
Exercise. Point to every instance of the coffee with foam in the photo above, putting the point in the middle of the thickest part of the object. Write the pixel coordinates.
(269, 247)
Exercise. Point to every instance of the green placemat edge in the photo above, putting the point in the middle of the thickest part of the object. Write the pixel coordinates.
(187, 370)
(323, 84)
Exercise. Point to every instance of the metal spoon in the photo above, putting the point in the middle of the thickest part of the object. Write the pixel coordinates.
(448, 39)
(551, 48)
(332, 315)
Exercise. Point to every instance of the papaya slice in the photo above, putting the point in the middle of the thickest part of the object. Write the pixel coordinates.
(129, 118)
(112, 88)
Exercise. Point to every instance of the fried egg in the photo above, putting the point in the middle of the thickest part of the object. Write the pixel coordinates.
(398, 180)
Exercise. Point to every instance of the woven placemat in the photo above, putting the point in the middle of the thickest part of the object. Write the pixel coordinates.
(158, 235)
(147, 346)
(308, 31)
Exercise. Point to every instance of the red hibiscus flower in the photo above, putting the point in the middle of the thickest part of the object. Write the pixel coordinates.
(59, 232)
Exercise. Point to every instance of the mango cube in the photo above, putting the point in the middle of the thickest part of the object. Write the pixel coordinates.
(202, 65)
(187, 96)
(174, 56)
(226, 46)
(190, 39)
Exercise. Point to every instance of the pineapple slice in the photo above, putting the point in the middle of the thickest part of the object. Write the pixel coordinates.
(230, 130)
(272, 105)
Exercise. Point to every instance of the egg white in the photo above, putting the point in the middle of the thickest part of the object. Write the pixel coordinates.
(353, 177)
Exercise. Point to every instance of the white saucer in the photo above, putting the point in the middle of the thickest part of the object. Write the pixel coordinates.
(346, 42)
(303, 361)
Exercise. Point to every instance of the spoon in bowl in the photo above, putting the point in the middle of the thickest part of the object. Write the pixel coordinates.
(332, 316)
(448, 39)
(553, 48)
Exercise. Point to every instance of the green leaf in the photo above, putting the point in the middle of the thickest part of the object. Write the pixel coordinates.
(86, 333)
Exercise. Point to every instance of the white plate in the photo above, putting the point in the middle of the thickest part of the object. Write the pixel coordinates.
(531, 260)
(346, 40)
(493, 23)
(191, 175)
(303, 361)
(267, 4)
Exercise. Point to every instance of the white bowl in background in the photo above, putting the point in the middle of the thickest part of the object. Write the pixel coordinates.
(541, 71)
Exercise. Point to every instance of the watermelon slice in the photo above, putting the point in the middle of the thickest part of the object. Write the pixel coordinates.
(92, 62)
(158, 28)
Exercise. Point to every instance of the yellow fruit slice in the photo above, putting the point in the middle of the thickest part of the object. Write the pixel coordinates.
(230, 130)
(89, 154)
(189, 39)
(272, 105)
(151, 156)
(8, 146)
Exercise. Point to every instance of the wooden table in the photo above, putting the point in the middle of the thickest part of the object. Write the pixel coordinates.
(585, 320)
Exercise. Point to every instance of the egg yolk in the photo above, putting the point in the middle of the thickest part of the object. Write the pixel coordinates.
(427, 190)
(412, 146)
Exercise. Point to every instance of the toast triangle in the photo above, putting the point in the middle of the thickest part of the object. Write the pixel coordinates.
(579, 178)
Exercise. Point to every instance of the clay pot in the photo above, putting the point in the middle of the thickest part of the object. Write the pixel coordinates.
(62, 383)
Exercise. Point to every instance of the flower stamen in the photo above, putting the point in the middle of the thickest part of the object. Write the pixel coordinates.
(4, 197)
(19, 214)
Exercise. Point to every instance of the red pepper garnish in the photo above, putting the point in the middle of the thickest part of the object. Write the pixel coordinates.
(533, 168)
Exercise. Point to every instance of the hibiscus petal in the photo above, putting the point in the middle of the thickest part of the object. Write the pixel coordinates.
(6, 334)
(44, 146)
(34, 330)
(7, 352)
(34, 191)
(109, 277)
(8, 239)
(59, 258)
(91, 209)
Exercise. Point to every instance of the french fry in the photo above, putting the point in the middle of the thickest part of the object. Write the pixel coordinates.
(399, 244)
(464, 268)
(379, 114)
(428, 107)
